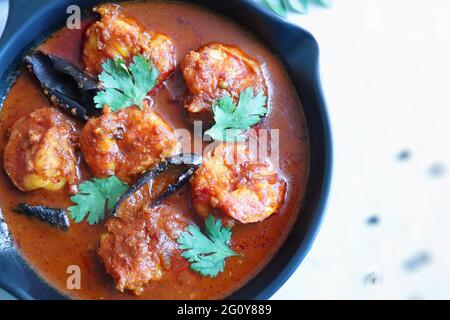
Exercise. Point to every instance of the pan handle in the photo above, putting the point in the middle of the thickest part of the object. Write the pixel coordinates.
(20, 281)
(13, 276)
(12, 272)
(16, 277)
(19, 13)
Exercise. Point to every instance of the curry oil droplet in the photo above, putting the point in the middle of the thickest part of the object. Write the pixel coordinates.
(192, 296)
(223, 84)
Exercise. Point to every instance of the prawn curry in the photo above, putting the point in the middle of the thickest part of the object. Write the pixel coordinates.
(96, 174)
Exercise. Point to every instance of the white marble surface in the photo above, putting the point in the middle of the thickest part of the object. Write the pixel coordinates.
(385, 67)
(4, 6)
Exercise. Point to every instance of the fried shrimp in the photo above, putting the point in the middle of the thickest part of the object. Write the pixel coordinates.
(232, 182)
(216, 70)
(119, 36)
(126, 143)
(40, 152)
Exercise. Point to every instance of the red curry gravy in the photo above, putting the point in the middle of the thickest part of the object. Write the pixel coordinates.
(51, 251)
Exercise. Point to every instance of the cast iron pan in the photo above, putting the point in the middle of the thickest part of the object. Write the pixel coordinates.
(31, 21)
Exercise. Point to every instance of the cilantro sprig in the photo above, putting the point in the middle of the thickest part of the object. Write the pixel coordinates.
(95, 197)
(232, 121)
(207, 253)
(282, 7)
(125, 86)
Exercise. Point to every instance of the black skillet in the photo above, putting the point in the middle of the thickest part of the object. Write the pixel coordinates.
(30, 21)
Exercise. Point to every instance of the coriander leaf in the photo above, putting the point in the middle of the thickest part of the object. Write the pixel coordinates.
(94, 196)
(233, 121)
(300, 6)
(325, 3)
(282, 7)
(207, 253)
(277, 6)
(125, 86)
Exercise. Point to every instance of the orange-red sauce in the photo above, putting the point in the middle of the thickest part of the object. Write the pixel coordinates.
(50, 251)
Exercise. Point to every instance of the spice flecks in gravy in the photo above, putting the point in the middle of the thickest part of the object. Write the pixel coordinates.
(51, 252)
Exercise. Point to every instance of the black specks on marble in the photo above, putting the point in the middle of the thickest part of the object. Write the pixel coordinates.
(418, 261)
(373, 220)
(373, 278)
(404, 155)
(437, 170)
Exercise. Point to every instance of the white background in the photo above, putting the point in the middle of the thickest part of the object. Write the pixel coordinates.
(385, 68)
